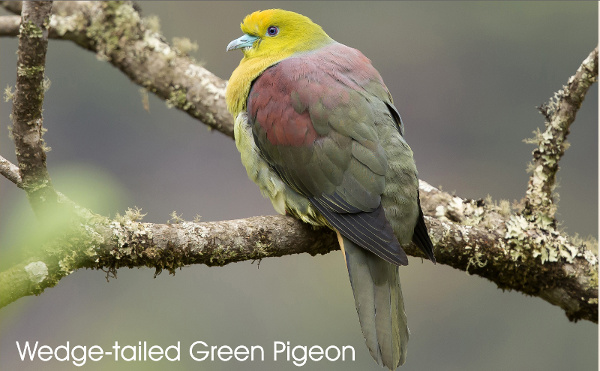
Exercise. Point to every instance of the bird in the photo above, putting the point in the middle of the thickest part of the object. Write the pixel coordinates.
(319, 134)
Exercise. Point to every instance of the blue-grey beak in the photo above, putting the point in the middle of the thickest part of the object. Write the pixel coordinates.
(245, 41)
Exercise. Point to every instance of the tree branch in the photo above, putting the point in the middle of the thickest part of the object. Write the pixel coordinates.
(126, 242)
(490, 241)
(477, 236)
(27, 103)
(560, 113)
(479, 239)
(12, 6)
(10, 172)
(9, 25)
(116, 32)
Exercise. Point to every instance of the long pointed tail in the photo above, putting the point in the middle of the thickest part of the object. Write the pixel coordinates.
(379, 303)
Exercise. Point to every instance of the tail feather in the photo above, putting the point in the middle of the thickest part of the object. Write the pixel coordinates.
(421, 237)
(379, 303)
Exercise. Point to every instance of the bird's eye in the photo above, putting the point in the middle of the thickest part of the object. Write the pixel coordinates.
(272, 31)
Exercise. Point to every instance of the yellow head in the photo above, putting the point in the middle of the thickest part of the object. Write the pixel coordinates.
(270, 36)
(277, 32)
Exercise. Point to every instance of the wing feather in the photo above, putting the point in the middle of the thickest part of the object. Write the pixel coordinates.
(317, 132)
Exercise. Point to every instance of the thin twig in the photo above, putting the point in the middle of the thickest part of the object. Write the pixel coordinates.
(10, 171)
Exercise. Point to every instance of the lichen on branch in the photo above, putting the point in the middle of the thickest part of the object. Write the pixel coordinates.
(27, 130)
(560, 112)
(518, 249)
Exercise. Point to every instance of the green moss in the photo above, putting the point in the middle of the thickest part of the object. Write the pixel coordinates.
(260, 251)
(221, 255)
(540, 239)
(178, 98)
(594, 279)
(31, 30)
(30, 71)
(119, 23)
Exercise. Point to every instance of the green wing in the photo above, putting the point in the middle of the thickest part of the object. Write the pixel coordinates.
(314, 120)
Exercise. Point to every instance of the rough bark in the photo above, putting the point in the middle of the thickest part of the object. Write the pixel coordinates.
(471, 235)
(10, 172)
(116, 32)
(560, 113)
(27, 118)
(508, 247)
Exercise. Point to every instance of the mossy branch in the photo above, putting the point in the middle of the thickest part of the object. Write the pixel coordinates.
(475, 236)
(480, 237)
(551, 145)
(27, 104)
(117, 33)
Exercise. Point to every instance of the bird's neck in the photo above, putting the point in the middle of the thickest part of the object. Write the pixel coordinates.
(241, 79)
(250, 68)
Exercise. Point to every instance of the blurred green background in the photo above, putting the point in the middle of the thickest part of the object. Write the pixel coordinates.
(466, 77)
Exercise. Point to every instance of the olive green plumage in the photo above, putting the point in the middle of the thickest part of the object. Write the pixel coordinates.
(318, 132)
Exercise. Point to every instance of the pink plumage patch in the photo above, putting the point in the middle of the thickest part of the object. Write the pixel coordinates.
(292, 98)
